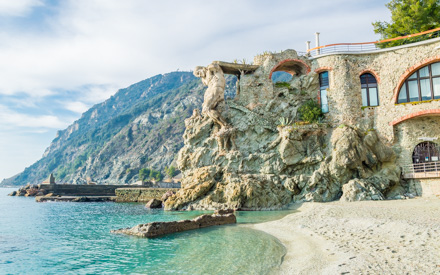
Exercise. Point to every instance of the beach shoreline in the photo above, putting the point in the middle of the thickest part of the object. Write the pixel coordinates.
(367, 237)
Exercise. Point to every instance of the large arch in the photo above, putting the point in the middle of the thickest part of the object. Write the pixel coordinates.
(409, 72)
(291, 66)
(433, 112)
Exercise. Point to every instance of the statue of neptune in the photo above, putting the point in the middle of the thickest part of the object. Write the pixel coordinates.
(212, 76)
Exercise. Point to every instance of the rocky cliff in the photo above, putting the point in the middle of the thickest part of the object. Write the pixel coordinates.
(259, 161)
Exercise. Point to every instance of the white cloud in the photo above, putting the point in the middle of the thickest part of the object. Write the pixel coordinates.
(120, 42)
(77, 107)
(17, 7)
(97, 93)
(10, 118)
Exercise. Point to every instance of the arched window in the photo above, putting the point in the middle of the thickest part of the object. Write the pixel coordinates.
(369, 90)
(323, 86)
(423, 84)
(426, 152)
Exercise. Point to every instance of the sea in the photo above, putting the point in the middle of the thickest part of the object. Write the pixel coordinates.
(75, 238)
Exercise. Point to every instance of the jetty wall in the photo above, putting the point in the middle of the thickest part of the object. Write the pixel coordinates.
(130, 194)
(81, 190)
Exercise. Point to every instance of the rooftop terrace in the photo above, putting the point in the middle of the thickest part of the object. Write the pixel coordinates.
(365, 47)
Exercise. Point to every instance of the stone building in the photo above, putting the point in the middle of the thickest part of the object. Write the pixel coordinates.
(395, 91)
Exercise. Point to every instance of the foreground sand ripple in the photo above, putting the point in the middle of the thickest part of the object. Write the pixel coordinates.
(370, 237)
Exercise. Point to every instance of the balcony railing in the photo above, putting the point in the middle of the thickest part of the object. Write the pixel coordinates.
(421, 170)
(372, 46)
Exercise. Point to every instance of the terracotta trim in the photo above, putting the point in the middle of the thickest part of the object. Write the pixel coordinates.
(370, 71)
(307, 67)
(410, 71)
(413, 115)
(323, 69)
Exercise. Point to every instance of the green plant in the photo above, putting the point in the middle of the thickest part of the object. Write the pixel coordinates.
(144, 173)
(369, 130)
(170, 171)
(149, 173)
(282, 85)
(284, 121)
(310, 112)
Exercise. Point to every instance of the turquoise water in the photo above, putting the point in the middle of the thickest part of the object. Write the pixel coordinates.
(74, 238)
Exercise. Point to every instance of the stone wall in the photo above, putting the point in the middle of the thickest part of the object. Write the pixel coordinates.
(390, 67)
(80, 190)
(141, 194)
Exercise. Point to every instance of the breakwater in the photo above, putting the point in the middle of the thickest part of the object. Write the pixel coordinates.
(130, 194)
(80, 190)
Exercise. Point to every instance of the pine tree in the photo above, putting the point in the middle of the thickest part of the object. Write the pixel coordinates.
(409, 17)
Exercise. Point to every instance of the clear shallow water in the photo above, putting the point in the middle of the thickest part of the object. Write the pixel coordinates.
(74, 238)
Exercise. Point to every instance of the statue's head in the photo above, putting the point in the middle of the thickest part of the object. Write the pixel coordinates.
(200, 71)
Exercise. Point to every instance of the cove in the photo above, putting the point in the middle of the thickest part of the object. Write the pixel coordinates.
(53, 238)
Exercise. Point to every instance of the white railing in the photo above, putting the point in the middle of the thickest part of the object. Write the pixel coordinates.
(374, 45)
(421, 170)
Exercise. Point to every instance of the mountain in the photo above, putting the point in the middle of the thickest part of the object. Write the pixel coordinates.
(139, 127)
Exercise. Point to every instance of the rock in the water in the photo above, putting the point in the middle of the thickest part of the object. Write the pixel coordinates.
(154, 203)
(167, 195)
(155, 229)
(223, 212)
(29, 191)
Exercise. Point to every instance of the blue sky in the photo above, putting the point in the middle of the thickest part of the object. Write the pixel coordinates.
(59, 58)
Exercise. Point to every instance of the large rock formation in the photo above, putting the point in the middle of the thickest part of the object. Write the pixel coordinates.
(251, 163)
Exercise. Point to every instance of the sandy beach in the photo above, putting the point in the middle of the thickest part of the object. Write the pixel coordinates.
(368, 237)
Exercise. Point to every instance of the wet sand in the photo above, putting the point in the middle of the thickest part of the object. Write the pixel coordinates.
(369, 237)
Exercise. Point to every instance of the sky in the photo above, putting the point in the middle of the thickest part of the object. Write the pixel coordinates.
(59, 58)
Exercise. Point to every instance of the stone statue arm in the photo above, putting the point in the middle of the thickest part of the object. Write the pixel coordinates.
(211, 73)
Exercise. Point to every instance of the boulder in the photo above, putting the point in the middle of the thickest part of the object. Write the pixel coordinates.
(155, 229)
(32, 192)
(13, 193)
(224, 211)
(167, 195)
(154, 203)
(360, 190)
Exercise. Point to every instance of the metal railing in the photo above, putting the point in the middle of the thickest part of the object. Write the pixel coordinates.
(421, 170)
(375, 45)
